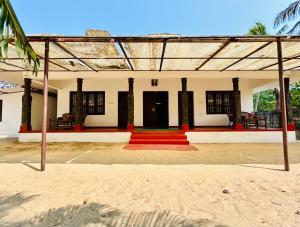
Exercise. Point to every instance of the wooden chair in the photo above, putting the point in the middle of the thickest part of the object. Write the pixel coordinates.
(250, 120)
(67, 121)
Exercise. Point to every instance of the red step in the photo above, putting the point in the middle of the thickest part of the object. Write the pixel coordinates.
(177, 138)
(157, 136)
(159, 141)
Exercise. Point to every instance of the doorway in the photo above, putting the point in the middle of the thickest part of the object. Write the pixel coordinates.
(156, 109)
(190, 108)
(122, 109)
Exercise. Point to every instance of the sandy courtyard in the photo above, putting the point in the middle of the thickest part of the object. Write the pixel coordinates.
(92, 184)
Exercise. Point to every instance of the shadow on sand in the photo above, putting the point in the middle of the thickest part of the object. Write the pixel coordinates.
(96, 214)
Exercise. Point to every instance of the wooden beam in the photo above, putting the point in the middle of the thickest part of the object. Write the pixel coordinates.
(248, 55)
(295, 67)
(74, 56)
(45, 108)
(143, 39)
(225, 44)
(283, 107)
(4, 62)
(126, 56)
(285, 60)
(162, 55)
(39, 56)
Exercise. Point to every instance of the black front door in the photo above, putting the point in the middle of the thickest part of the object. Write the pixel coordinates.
(190, 108)
(156, 109)
(122, 109)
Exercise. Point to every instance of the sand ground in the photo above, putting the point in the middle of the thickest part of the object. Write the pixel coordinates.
(94, 184)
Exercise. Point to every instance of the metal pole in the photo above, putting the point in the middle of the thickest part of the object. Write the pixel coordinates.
(283, 107)
(45, 109)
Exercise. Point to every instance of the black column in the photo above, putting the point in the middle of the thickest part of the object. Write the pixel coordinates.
(26, 106)
(289, 105)
(79, 106)
(130, 124)
(236, 104)
(184, 106)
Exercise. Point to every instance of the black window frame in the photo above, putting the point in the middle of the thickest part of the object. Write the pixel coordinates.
(1, 108)
(219, 96)
(97, 109)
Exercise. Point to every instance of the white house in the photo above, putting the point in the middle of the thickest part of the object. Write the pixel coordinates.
(128, 85)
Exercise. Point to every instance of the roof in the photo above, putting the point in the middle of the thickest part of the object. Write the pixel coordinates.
(161, 52)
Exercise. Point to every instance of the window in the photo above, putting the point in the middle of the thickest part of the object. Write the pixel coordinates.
(1, 102)
(219, 102)
(93, 102)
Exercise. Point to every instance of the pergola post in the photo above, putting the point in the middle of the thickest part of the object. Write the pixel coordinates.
(237, 121)
(130, 122)
(45, 109)
(289, 106)
(283, 107)
(26, 107)
(79, 106)
(184, 106)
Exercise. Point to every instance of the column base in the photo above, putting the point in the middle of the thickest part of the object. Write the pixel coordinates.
(185, 127)
(77, 127)
(25, 128)
(130, 127)
(238, 126)
(291, 127)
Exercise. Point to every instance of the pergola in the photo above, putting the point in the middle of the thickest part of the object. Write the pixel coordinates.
(161, 53)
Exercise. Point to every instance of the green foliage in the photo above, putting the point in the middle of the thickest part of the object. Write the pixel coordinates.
(295, 93)
(258, 29)
(11, 30)
(267, 99)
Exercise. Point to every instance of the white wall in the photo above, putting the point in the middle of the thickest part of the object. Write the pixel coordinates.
(112, 86)
(37, 110)
(11, 114)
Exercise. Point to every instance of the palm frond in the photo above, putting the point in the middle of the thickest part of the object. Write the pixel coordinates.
(282, 30)
(288, 14)
(295, 30)
(258, 29)
(10, 29)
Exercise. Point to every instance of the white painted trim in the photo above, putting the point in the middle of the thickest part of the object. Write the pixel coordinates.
(193, 137)
(239, 137)
(105, 137)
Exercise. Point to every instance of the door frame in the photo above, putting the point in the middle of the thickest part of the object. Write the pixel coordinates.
(155, 100)
(119, 113)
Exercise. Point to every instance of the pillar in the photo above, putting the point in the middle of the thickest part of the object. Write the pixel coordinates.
(283, 107)
(237, 121)
(289, 105)
(130, 122)
(79, 106)
(26, 107)
(184, 106)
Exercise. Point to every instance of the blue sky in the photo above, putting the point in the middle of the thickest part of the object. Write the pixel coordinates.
(139, 17)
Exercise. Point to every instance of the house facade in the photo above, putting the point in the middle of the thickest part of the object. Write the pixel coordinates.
(151, 83)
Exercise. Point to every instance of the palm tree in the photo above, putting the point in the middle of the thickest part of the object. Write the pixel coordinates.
(289, 14)
(11, 31)
(258, 29)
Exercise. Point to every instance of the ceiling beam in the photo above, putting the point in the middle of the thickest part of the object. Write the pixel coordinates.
(248, 55)
(126, 56)
(74, 56)
(162, 55)
(225, 44)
